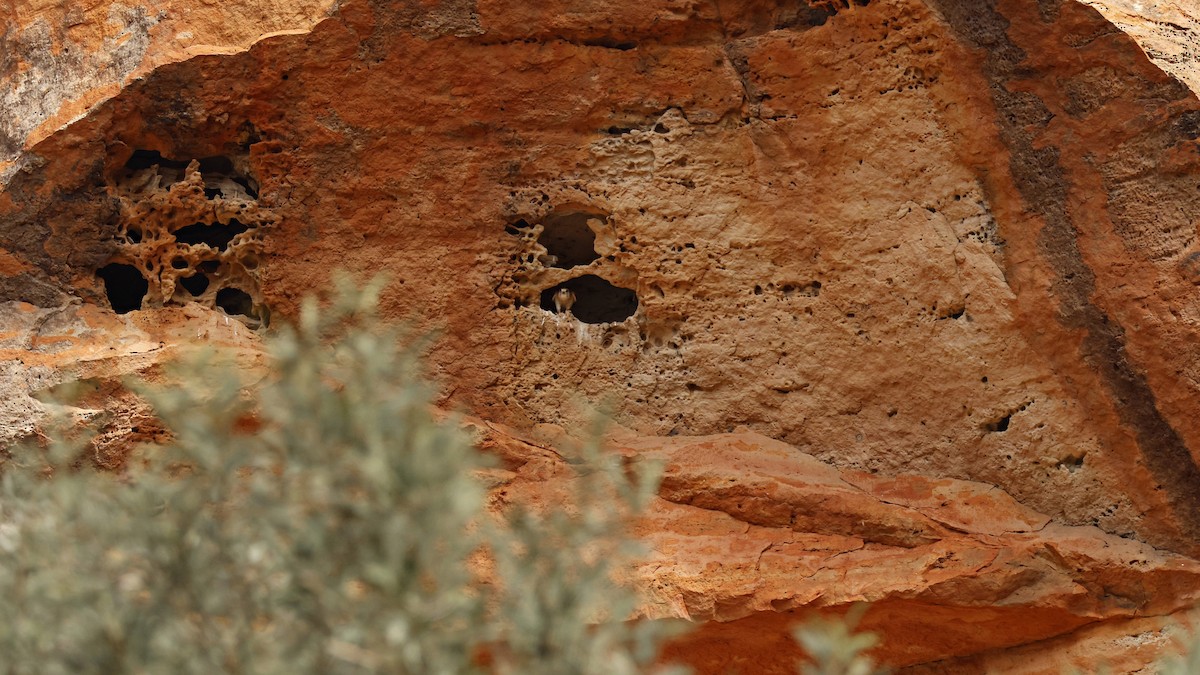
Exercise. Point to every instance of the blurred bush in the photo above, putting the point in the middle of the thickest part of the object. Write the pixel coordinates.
(834, 648)
(321, 521)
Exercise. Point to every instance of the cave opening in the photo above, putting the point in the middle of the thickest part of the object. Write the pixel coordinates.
(195, 284)
(215, 235)
(125, 287)
(216, 165)
(212, 168)
(144, 159)
(235, 301)
(568, 238)
(596, 300)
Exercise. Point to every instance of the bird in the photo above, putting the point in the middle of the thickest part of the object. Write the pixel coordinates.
(564, 298)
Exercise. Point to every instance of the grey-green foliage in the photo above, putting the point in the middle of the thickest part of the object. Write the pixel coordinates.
(1185, 663)
(834, 648)
(333, 538)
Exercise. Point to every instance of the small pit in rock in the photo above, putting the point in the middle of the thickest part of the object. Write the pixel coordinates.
(125, 287)
(568, 238)
(596, 300)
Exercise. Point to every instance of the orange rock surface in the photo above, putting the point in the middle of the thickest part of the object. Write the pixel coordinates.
(750, 536)
(903, 291)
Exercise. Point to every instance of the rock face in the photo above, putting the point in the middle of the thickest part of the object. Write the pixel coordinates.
(945, 250)
(750, 535)
(62, 58)
(1166, 29)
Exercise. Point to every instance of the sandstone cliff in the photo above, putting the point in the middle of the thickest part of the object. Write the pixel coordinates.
(942, 252)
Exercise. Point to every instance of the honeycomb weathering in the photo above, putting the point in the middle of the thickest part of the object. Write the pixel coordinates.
(943, 252)
(187, 232)
(575, 247)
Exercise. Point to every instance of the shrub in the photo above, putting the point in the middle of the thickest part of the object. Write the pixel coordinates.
(834, 648)
(320, 521)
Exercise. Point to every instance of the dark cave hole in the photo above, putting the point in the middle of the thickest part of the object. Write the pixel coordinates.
(596, 300)
(215, 235)
(611, 43)
(568, 238)
(179, 263)
(814, 16)
(210, 266)
(124, 285)
(236, 301)
(999, 425)
(517, 229)
(217, 165)
(195, 284)
(133, 236)
(144, 159)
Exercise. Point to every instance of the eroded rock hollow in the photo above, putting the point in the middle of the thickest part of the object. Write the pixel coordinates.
(903, 291)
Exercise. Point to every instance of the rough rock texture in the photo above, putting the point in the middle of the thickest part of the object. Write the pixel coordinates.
(750, 536)
(45, 352)
(1168, 31)
(948, 240)
(61, 58)
(1119, 647)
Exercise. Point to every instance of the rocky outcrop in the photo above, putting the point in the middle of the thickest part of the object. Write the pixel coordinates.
(1167, 31)
(946, 240)
(60, 59)
(72, 361)
(750, 536)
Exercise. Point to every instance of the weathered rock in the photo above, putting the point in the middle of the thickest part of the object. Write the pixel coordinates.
(60, 59)
(1122, 646)
(947, 241)
(1167, 30)
(750, 536)
(80, 354)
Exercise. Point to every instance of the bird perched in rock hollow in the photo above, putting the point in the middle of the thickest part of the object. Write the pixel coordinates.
(563, 300)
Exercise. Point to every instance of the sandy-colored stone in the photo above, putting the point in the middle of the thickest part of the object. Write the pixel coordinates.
(1168, 31)
(78, 355)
